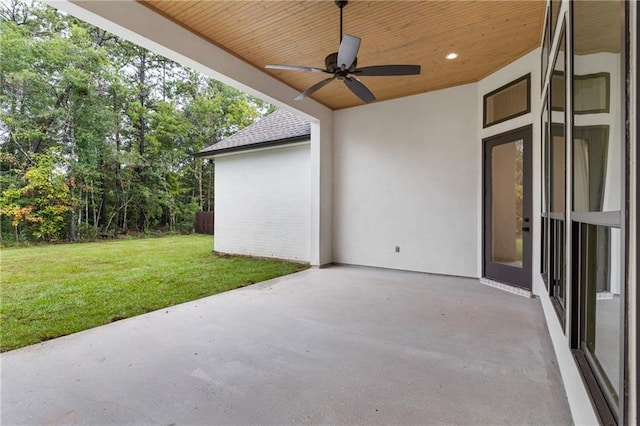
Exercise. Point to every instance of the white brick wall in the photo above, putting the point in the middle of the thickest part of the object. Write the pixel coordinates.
(262, 203)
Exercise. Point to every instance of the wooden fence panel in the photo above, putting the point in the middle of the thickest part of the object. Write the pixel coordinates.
(204, 223)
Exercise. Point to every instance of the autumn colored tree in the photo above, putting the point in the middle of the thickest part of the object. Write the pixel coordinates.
(41, 205)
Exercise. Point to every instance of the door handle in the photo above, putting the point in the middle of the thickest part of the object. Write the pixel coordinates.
(526, 229)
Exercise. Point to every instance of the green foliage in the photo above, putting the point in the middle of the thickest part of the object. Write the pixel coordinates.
(125, 121)
(42, 204)
(51, 291)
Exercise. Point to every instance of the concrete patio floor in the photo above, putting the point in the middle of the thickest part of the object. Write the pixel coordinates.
(341, 345)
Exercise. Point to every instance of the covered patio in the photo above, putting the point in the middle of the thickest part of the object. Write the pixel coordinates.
(339, 345)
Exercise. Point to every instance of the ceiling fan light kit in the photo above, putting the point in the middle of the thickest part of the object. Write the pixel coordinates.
(343, 65)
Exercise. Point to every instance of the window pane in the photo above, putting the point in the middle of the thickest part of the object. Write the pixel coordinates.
(546, 40)
(558, 146)
(591, 93)
(558, 171)
(557, 236)
(603, 304)
(557, 83)
(557, 177)
(555, 10)
(598, 81)
(507, 102)
(590, 161)
(544, 228)
(506, 196)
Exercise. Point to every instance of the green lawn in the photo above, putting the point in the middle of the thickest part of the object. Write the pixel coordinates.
(51, 291)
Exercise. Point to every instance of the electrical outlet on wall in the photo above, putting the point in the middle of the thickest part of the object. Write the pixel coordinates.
(397, 249)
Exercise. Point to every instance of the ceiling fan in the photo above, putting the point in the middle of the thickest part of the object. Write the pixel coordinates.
(343, 65)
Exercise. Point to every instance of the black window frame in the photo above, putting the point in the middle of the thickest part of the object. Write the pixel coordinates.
(527, 78)
(557, 223)
(546, 44)
(637, 94)
(605, 413)
(544, 214)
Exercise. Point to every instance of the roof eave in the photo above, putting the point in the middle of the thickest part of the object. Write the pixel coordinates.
(252, 146)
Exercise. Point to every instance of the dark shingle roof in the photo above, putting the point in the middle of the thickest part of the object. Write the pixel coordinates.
(277, 128)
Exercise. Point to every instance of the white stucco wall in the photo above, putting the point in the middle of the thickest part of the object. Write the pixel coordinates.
(262, 204)
(406, 174)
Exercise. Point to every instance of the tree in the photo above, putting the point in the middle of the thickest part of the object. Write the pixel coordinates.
(42, 204)
(123, 124)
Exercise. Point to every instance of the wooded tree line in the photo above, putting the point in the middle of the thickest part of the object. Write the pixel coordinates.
(97, 135)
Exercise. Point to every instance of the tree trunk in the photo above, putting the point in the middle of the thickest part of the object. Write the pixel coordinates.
(199, 181)
(118, 183)
(72, 226)
(102, 217)
(141, 137)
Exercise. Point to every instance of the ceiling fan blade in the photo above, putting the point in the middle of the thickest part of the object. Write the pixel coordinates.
(348, 51)
(294, 68)
(314, 88)
(382, 70)
(359, 89)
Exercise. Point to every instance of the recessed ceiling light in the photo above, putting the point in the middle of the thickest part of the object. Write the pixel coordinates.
(451, 56)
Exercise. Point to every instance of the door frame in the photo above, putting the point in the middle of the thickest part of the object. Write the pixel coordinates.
(517, 277)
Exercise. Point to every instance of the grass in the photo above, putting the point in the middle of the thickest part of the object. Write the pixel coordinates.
(52, 291)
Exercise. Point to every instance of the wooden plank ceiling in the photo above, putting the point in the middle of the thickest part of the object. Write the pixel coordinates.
(486, 34)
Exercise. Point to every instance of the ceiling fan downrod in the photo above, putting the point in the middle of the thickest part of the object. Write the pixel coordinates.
(341, 4)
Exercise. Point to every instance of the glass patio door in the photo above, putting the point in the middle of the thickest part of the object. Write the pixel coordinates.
(507, 208)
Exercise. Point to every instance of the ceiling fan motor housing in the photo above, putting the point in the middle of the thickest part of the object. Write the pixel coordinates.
(331, 63)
